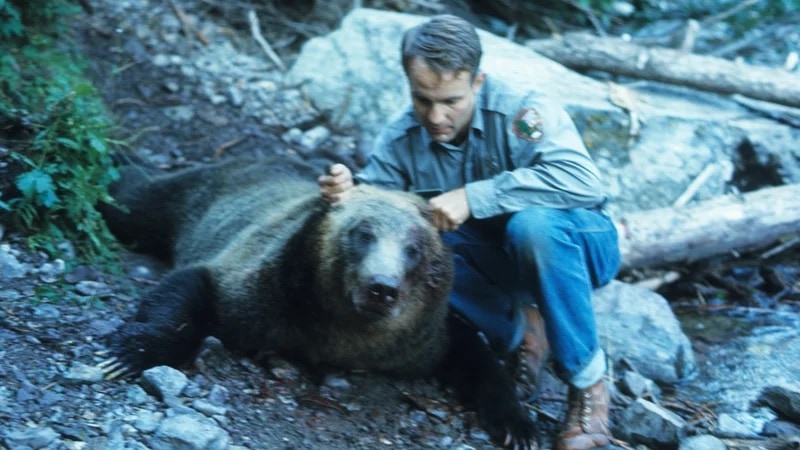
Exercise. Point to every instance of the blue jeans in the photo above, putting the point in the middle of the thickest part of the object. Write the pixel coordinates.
(548, 257)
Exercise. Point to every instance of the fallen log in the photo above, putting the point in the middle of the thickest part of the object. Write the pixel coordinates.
(617, 56)
(726, 224)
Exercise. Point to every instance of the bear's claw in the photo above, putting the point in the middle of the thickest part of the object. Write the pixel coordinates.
(113, 368)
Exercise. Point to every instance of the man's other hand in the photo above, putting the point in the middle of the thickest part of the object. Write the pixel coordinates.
(450, 209)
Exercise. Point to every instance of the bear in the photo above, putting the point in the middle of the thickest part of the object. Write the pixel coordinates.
(261, 262)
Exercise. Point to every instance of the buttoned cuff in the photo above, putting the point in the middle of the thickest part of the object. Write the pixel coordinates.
(482, 199)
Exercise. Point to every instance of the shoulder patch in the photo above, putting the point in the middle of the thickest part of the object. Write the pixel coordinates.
(527, 125)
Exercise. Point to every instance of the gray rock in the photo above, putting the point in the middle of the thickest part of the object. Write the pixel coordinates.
(92, 288)
(189, 431)
(218, 395)
(636, 385)
(148, 421)
(739, 425)
(208, 408)
(83, 373)
(38, 437)
(50, 271)
(47, 311)
(164, 381)
(314, 137)
(137, 395)
(646, 423)
(628, 314)
(10, 267)
(702, 442)
(784, 401)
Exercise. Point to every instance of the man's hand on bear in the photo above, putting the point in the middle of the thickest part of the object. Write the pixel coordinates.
(335, 185)
(450, 209)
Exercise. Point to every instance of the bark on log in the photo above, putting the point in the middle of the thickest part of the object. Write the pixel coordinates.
(614, 55)
(715, 227)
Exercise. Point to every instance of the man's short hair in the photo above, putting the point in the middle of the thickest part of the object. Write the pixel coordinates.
(446, 43)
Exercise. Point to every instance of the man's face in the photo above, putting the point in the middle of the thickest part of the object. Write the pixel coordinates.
(444, 102)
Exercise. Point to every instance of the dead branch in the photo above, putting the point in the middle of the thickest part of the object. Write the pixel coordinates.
(255, 30)
(617, 56)
(715, 227)
(188, 26)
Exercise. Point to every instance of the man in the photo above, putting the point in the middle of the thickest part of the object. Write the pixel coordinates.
(519, 200)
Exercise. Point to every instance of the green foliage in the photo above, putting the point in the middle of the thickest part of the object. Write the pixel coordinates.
(765, 10)
(42, 15)
(56, 127)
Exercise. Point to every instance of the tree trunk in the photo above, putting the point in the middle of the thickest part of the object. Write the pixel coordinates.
(614, 55)
(711, 228)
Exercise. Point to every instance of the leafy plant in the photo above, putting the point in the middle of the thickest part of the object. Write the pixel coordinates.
(55, 127)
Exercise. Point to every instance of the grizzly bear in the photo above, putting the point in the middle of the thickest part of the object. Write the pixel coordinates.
(263, 263)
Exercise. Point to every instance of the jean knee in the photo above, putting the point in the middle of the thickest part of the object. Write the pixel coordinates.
(535, 228)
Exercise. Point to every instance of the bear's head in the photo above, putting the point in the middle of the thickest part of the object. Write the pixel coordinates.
(384, 259)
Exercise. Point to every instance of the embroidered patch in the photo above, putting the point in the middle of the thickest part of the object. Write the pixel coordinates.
(528, 125)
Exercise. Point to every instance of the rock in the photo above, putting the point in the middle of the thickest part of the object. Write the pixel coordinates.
(314, 137)
(702, 442)
(784, 401)
(38, 437)
(50, 271)
(164, 381)
(92, 288)
(735, 426)
(781, 428)
(10, 267)
(646, 423)
(208, 408)
(148, 421)
(218, 395)
(136, 395)
(628, 314)
(189, 431)
(47, 312)
(634, 384)
(83, 373)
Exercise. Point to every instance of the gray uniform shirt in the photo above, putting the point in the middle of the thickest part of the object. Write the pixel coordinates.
(523, 150)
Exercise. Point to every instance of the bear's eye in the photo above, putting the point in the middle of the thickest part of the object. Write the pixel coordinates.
(362, 235)
(413, 254)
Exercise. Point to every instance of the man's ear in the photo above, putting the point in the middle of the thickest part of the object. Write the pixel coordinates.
(477, 83)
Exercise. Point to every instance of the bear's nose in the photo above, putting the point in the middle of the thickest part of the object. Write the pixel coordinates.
(383, 289)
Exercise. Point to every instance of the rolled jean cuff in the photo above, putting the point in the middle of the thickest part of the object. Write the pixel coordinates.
(592, 373)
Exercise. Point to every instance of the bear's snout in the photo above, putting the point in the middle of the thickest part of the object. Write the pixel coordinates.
(383, 289)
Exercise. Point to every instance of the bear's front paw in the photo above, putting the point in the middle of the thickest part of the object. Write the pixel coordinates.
(132, 349)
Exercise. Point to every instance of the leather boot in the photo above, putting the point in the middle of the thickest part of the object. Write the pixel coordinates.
(586, 425)
(533, 352)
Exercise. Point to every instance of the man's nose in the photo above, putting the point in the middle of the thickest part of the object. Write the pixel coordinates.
(436, 114)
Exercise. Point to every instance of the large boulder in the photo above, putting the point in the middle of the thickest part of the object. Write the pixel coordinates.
(638, 325)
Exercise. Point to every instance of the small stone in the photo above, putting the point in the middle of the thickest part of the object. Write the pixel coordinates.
(47, 311)
(190, 431)
(92, 288)
(83, 373)
(38, 437)
(218, 395)
(208, 408)
(164, 381)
